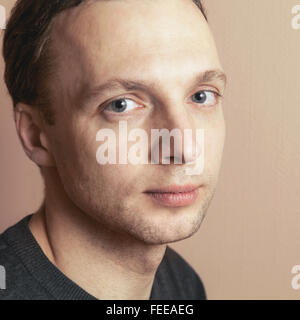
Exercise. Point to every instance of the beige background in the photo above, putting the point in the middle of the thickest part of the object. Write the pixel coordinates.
(250, 239)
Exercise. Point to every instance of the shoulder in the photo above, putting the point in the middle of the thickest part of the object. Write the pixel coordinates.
(16, 282)
(10, 268)
(179, 278)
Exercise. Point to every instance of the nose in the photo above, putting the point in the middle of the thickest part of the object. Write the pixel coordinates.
(178, 140)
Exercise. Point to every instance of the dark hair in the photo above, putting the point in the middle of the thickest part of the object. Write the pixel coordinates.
(25, 50)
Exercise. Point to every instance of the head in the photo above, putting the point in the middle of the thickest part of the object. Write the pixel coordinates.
(59, 62)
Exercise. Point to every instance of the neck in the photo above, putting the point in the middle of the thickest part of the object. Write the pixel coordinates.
(106, 264)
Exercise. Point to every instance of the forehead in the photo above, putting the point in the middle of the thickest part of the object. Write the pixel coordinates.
(133, 38)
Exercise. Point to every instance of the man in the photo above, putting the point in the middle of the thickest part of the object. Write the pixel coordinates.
(72, 68)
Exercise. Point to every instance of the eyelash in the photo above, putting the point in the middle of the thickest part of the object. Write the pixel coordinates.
(217, 94)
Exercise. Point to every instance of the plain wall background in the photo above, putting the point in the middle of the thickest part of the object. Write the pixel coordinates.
(250, 238)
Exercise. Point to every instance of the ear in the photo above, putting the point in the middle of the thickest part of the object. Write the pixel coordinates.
(33, 138)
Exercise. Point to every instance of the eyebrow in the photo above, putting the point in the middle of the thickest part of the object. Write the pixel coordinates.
(207, 76)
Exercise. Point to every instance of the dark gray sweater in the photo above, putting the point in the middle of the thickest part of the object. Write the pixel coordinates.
(29, 274)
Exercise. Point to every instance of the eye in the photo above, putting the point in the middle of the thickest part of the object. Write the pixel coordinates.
(206, 97)
(121, 105)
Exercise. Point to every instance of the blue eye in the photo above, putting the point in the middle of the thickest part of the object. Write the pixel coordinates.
(121, 105)
(205, 97)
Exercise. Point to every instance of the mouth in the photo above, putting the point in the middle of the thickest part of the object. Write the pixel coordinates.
(174, 195)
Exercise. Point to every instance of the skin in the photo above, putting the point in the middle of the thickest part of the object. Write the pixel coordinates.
(96, 225)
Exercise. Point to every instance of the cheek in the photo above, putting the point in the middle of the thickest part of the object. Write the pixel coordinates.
(91, 181)
(103, 188)
(74, 150)
(214, 144)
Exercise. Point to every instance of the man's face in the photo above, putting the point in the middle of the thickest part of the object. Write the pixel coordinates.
(165, 44)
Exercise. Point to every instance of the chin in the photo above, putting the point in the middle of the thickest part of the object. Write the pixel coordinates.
(168, 233)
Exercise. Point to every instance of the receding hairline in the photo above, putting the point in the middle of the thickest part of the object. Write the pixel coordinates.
(73, 35)
(86, 3)
(29, 61)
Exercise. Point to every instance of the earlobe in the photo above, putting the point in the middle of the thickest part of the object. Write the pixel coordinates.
(32, 137)
(42, 157)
